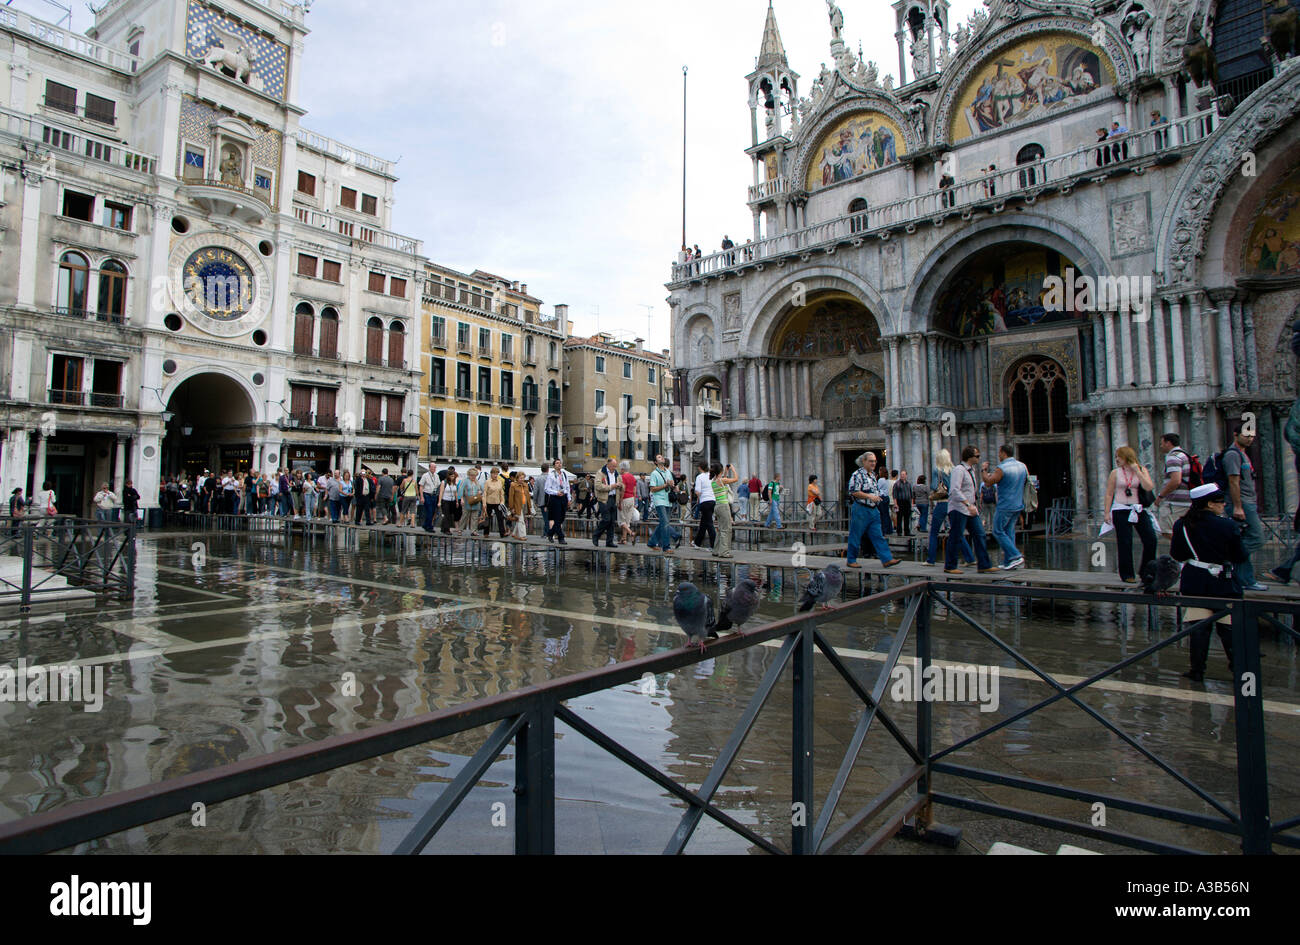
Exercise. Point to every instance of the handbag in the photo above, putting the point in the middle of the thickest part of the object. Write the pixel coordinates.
(940, 494)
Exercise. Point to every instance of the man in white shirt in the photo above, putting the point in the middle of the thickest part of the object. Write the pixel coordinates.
(429, 496)
(558, 495)
(964, 514)
(229, 492)
(105, 504)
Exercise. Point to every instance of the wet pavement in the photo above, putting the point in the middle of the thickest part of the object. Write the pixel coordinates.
(243, 646)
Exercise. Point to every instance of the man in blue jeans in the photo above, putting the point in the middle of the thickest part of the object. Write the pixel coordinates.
(1009, 476)
(864, 513)
(661, 494)
(774, 505)
(964, 515)
(1242, 506)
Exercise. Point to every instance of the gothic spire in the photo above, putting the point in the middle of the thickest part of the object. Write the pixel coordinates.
(772, 51)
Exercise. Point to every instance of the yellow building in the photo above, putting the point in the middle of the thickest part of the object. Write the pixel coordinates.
(613, 393)
(488, 359)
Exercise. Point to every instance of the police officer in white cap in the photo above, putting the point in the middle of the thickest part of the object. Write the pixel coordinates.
(1209, 546)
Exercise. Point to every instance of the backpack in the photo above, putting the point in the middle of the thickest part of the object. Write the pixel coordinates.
(1214, 472)
(767, 493)
(1031, 496)
(1195, 471)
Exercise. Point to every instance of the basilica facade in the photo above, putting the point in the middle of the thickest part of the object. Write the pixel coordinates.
(1070, 226)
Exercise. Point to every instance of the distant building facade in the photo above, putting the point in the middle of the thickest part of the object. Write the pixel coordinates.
(613, 402)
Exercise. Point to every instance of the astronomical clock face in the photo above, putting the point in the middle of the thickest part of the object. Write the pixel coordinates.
(219, 283)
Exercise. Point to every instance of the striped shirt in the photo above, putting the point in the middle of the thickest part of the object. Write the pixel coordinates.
(1176, 460)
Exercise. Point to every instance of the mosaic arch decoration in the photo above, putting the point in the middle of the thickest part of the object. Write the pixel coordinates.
(1000, 289)
(830, 325)
(1273, 247)
(856, 145)
(853, 398)
(1035, 77)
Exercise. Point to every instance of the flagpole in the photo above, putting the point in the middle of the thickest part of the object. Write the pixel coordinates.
(683, 156)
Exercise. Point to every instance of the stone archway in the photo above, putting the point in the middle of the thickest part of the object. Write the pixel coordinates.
(210, 420)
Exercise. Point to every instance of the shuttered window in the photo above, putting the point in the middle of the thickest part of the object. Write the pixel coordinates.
(306, 265)
(329, 333)
(376, 283)
(396, 345)
(326, 398)
(374, 342)
(299, 402)
(304, 324)
(332, 271)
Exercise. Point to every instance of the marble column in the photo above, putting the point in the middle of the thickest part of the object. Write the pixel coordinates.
(805, 388)
(936, 444)
(1079, 465)
(1290, 488)
(918, 371)
(1142, 326)
(1148, 454)
(1125, 327)
(933, 392)
(791, 396)
(119, 463)
(13, 468)
(799, 488)
(1267, 493)
(1113, 378)
(1252, 354)
(38, 465)
(1103, 459)
(1239, 345)
(780, 460)
(1099, 353)
(1158, 316)
(895, 382)
(1196, 331)
(1119, 435)
(1200, 433)
(1226, 365)
(760, 371)
(1177, 354)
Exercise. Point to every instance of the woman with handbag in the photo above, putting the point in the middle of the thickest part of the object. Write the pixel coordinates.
(518, 503)
(448, 500)
(939, 499)
(813, 507)
(1130, 490)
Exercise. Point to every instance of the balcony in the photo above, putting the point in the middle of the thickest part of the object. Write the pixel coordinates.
(485, 351)
(464, 393)
(436, 448)
(462, 449)
(439, 340)
(342, 152)
(315, 421)
(484, 397)
(530, 359)
(83, 398)
(69, 41)
(358, 232)
(375, 425)
(463, 346)
(233, 200)
(552, 364)
(990, 192)
(552, 408)
(508, 355)
(767, 190)
(508, 453)
(437, 390)
(73, 141)
(530, 404)
(482, 451)
(373, 361)
(507, 400)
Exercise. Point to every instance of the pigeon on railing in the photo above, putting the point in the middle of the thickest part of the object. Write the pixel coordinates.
(825, 586)
(1160, 575)
(737, 607)
(693, 612)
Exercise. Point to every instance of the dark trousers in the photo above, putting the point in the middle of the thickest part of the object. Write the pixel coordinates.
(886, 520)
(448, 514)
(494, 513)
(608, 516)
(905, 517)
(556, 505)
(960, 525)
(430, 505)
(706, 525)
(1200, 645)
(364, 512)
(1124, 540)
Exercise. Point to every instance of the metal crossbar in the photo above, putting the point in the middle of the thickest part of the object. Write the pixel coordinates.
(528, 718)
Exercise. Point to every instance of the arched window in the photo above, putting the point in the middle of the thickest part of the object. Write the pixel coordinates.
(858, 220)
(397, 345)
(112, 292)
(551, 355)
(552, 398)
(374, 341)
(1039, 398)
(329, 333)
(74, 280)
(1034, 174)
(528, 350)
(304, 328)
(529, 392)
(529, 447)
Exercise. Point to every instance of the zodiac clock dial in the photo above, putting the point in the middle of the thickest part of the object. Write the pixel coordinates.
(219, 284)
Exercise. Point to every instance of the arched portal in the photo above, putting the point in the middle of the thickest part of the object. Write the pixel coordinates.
(210, 420)
(1037, 394)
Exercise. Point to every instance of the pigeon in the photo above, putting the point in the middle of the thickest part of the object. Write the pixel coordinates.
(1160, 575)
(737, 607)
(693, 612)
(824, 586)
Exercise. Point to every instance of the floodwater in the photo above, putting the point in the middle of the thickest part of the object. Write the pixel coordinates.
(242, 646)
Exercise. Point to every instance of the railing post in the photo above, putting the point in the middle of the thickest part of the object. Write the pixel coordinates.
(1252, 765)
(801, 768)
(535, 782)
(26, 603)
(923, 707)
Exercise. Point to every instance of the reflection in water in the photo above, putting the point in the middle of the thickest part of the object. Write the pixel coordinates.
(290, 645)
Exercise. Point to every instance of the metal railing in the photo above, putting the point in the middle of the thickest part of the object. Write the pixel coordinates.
(84, 398)
(375, 425)
(89, 555)
(553, 408)
(75, 141)
(356, 230)
(438, 339)
(529, 404)
(529, 718)
(1093, 160)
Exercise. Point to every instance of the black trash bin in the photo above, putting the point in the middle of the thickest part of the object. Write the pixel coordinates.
(155, 517)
